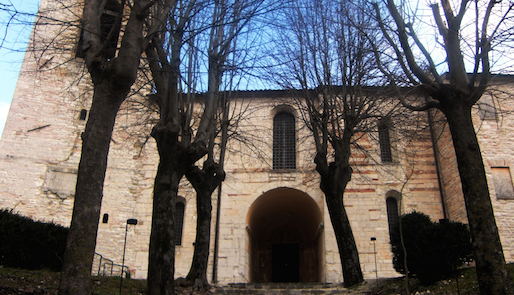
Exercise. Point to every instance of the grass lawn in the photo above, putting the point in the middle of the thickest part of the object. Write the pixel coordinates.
(42, 282)
(465, 284)
(24, 282)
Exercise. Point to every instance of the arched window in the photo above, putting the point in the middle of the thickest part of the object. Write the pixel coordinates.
(392, 213)
(179, 222)
(284, 141)
(385, 142)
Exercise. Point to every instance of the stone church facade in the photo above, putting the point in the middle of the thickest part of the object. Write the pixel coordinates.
(271, 211)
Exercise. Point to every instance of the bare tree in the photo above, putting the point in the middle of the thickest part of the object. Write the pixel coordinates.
(227, 21)
(205, 180)
(187, 127)
(329, 63)
(468, 33)
(112, 60)
(173, 136)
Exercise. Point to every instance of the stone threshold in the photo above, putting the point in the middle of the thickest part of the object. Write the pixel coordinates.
(287, 286)
(283, 288)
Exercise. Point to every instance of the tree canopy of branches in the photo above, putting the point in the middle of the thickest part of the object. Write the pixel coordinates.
(327, 60)
(467, 33)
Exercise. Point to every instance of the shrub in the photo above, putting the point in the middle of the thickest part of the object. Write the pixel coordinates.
(434, 250)
(30, 244)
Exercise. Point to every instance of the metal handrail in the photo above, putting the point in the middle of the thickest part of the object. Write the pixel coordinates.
(104, 264)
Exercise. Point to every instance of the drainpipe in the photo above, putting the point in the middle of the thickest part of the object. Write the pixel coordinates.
(437, 167)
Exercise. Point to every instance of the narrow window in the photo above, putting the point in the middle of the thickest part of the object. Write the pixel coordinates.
(385, 143)
(392, 213)
(284, 141)
(179, 222)
(105, 218)
(502, 182)
(83, 115)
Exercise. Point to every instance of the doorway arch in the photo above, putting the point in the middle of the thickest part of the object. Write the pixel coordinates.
(285, 236)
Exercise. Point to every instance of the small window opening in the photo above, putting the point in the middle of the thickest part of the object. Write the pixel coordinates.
(105, 218)
(179, 222)
(83, 115)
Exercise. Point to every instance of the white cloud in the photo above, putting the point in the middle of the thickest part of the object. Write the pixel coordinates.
(4, 110)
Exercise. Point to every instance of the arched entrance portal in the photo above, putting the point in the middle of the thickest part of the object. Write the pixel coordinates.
(285, 229)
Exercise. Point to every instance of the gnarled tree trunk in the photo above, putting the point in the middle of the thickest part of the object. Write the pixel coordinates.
(161, 263)
(334, 179)
(204, 181)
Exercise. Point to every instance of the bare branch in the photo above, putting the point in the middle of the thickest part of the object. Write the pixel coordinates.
(403, 37)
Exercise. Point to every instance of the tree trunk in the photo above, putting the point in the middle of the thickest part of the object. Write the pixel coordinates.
(334, 179)
(198, 272)
(161, 264)
(204, 182)
(490, 262)
(80, 248)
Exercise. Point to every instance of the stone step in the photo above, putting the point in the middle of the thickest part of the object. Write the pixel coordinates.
(285, 292)
(251, 286)
(285, 288)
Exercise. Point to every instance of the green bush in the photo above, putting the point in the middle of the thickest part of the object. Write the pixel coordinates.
(30, 244)
(434, 250)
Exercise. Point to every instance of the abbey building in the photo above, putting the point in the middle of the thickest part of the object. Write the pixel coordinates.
(272, 216)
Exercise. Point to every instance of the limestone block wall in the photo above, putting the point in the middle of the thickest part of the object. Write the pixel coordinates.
(494, 133)
(242, 189)
(364, 200)
(495, 139)
(40, 147)
(40, 144)
(411, 176)
(449, 174)
(129, 182)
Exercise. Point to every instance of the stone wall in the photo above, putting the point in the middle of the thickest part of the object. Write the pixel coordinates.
(492, 117)
(449, 174)
(40, 150)
(131, 169)
(495, 138)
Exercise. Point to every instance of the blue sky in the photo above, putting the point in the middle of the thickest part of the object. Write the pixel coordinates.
(15, 37)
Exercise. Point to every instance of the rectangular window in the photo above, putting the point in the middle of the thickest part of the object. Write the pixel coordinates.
(385, 143)
(502, 181)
